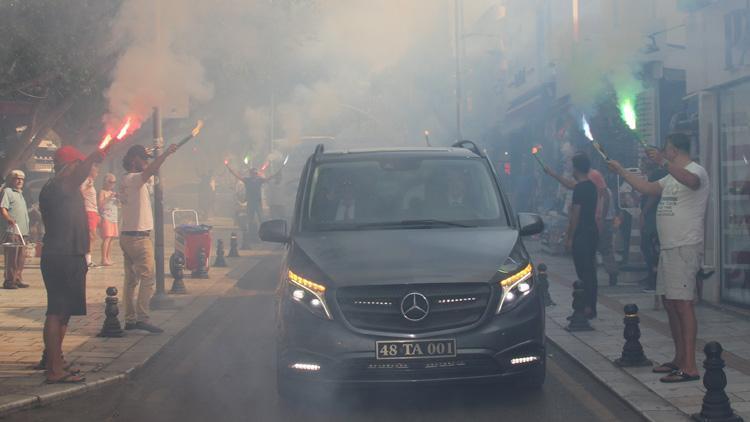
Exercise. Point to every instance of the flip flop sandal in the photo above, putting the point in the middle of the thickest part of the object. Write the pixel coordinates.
(669, 367)
(69, 367)
(42, 365)
(679, 376)
(67, 379)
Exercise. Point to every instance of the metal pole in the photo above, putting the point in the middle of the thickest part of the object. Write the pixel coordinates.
(160, 300)
(459, 94)
(273, 117)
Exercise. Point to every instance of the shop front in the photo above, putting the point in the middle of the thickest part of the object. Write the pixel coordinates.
(734, 193)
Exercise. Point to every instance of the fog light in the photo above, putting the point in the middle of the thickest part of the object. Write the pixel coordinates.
(524, 359)
(524, 287)
(315, 303)
(298, 294)
(309, 367)
(509, 296)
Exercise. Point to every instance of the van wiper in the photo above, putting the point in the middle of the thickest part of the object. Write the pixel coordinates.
(410, 223)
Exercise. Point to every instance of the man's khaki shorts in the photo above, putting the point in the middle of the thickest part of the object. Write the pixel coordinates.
(677, 268)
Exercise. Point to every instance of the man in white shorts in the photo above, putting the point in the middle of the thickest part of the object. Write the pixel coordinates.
(680, 218)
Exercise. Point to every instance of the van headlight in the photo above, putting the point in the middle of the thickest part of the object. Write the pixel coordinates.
(516, 283)
(309, 294)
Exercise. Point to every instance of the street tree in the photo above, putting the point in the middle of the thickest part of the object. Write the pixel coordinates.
(55, 59)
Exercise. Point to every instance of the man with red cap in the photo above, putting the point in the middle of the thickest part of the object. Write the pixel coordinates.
(63, 262)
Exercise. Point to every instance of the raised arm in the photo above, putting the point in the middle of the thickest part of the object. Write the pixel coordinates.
(568, 183)
(153, 167)
(638, 183)
(233, 173)
(82, 171)
(679, 173)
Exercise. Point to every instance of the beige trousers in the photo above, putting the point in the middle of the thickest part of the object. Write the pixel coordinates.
(138, 252)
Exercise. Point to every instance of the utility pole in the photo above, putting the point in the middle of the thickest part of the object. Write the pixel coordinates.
(273, 117)
(459, 95)
(160, 300)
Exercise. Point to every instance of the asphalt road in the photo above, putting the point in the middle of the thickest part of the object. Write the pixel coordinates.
(222, 369)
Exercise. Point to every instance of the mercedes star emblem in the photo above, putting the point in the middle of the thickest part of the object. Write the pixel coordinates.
(415, 307)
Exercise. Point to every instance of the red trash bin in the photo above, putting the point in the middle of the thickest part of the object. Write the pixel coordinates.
(189, 239)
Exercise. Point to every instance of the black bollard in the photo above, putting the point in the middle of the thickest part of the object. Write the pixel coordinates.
(220, 261)
(632, 351)
(578, 321)
(233, 253)
(541, 271)
(111, 326)
(178, 284)
(716, 407)
(202, 270)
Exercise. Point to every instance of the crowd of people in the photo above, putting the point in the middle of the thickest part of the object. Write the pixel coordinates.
(73, 214)
(675, 193)
(673, 203)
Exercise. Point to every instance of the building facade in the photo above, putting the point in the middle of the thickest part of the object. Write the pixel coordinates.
(719, 77)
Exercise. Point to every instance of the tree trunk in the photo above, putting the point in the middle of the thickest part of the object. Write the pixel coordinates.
(20, 151)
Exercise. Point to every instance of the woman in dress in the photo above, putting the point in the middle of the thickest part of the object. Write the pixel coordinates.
(108, 208)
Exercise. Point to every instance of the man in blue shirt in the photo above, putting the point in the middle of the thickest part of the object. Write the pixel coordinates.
(16, 221)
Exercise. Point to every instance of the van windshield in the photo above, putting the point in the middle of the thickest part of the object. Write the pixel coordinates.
(402, 193)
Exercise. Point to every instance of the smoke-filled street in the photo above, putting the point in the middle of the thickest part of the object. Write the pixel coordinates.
(222, 368)
(366, 210)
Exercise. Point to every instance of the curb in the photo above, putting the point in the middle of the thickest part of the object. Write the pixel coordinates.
(630, 390)
(13, 403)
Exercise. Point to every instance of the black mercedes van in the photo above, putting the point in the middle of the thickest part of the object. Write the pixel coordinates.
(406, 266)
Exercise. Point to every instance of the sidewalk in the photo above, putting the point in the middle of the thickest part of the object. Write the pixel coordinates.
(596, 350)
(103, 360)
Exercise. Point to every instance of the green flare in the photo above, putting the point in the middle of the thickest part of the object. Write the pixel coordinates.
(627, 112)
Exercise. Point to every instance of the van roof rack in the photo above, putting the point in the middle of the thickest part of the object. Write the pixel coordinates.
(318, 151)
(470, 145)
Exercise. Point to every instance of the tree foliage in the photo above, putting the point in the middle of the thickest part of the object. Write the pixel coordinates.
(55, 56)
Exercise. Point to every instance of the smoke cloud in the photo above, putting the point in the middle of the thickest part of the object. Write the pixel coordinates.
(153, 70)
(604, 58)
(291, 68)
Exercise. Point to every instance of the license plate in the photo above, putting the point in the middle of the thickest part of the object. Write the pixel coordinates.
(416, 349)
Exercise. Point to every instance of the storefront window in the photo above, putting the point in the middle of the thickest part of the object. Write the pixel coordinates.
(734, 150)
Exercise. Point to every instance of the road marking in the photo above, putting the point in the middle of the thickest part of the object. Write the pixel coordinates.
(579, 391)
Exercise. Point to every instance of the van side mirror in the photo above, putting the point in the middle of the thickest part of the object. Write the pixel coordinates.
(273, 231)
(530, 224)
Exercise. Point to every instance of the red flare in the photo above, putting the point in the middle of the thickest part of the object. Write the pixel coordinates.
(124, 131)
(105, 142)
(121, 134)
